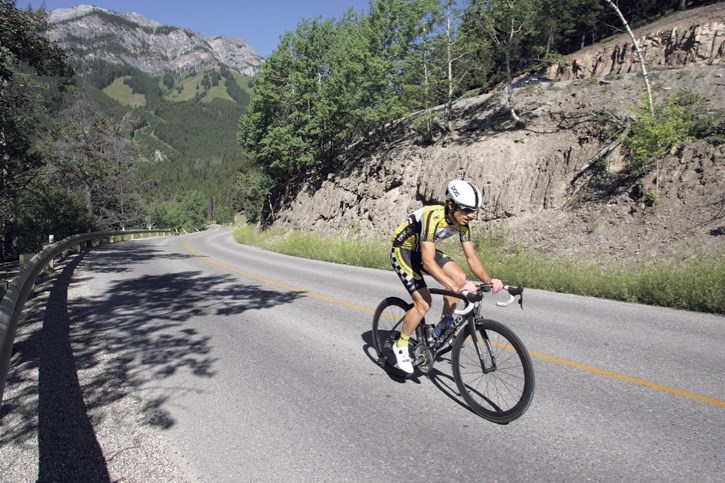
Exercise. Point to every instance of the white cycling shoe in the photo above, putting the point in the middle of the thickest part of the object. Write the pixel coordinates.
(402, 357)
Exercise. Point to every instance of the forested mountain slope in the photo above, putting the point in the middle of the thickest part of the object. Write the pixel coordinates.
(181, 93)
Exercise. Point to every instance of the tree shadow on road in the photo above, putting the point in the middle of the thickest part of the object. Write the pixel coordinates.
(102, 349)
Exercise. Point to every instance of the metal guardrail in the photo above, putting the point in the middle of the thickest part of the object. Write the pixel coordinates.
(22, 285)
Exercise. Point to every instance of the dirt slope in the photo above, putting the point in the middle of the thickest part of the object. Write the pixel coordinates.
(541, 189)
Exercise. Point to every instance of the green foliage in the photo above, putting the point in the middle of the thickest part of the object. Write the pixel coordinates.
(22, 44)
(188, 213)
(710, 126)
(146, 85)
(674, 121)
(166, 180)
(100, 73)
(235, 91)
(33, 75)
(188, 146)
(92, 158)
(331, 83)
(253, 188)
(426, 125)
(93, 163)
(120, 91)
(650, 197)
(654, 134)
(56, 212)
(205, 132)
(167, 80)
(701, 125)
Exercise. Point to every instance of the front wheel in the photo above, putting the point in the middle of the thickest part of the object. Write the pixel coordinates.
(387, 322)
(493, 372)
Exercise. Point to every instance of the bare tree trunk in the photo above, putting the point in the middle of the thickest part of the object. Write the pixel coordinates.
(449, 98)
(10, 235)
(426, 91)
(549, 41)
(509, 91)
(642, 65)
(644, 77)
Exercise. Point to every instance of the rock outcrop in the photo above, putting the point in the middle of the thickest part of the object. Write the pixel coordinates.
(539, 186)
(664, 44)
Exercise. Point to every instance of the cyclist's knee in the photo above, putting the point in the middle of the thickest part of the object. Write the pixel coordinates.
(422, 302)
(421, 306)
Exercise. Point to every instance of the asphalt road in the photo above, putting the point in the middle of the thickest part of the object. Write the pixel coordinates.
(198, 359)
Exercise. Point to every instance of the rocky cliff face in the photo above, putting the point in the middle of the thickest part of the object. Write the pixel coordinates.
(686, 39)
(97, 33)
(539, 185)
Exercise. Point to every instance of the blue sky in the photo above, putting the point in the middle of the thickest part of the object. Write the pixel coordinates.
(260, 23)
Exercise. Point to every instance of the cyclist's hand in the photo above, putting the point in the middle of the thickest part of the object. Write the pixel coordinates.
(497, 285)
(470, 287)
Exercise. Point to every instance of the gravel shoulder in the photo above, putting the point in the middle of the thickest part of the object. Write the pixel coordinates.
(50, 415)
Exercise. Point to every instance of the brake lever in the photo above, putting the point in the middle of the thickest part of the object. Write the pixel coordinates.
(513, 291)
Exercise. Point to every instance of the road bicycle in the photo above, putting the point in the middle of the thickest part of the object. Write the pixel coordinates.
(491, 366)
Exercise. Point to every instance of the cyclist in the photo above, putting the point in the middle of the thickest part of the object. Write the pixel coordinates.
(414, 253)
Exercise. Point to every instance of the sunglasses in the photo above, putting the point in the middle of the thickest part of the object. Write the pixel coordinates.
(467, 210)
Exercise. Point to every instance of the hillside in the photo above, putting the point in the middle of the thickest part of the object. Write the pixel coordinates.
(146, 67)
(542, 190)
(183, 93)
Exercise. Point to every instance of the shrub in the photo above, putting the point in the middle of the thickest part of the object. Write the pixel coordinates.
(653, 135)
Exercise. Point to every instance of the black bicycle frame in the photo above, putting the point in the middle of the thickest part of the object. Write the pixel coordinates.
(470, 319)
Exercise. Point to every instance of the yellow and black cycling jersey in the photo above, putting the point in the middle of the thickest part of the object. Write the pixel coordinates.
(427, 224)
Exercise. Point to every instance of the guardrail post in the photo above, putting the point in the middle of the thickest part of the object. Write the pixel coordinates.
(50, 266)
(24, 258)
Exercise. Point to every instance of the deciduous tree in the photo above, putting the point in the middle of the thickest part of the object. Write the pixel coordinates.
(32, 72)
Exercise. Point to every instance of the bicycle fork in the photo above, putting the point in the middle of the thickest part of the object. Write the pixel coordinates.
(483, 346)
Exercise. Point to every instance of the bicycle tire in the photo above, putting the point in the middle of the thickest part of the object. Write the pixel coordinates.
(504, 394)
(387, 322)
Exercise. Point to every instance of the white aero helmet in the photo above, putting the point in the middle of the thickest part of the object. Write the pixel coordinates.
(464, 194)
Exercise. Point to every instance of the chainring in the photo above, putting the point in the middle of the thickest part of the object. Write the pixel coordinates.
(425, 356)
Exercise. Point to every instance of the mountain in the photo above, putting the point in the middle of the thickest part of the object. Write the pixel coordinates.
(97, 34)
(183, 93)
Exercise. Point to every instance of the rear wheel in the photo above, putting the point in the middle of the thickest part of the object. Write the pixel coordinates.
(387, 323)
(494, 372)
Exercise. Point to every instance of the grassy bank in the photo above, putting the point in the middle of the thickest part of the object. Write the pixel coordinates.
(692, 283)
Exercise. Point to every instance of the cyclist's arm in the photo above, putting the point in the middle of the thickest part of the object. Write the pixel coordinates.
(428, 255)
(477, 267)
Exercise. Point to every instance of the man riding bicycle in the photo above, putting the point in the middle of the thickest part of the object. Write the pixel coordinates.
(414, 253)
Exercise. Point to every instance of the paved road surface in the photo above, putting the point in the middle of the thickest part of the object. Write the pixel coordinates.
(196, 359)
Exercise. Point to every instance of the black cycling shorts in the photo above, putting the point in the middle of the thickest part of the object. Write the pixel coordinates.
(409, 267)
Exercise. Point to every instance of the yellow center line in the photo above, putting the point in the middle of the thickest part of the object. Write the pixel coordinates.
(633, 380)
(538, 355)
(275, 283)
